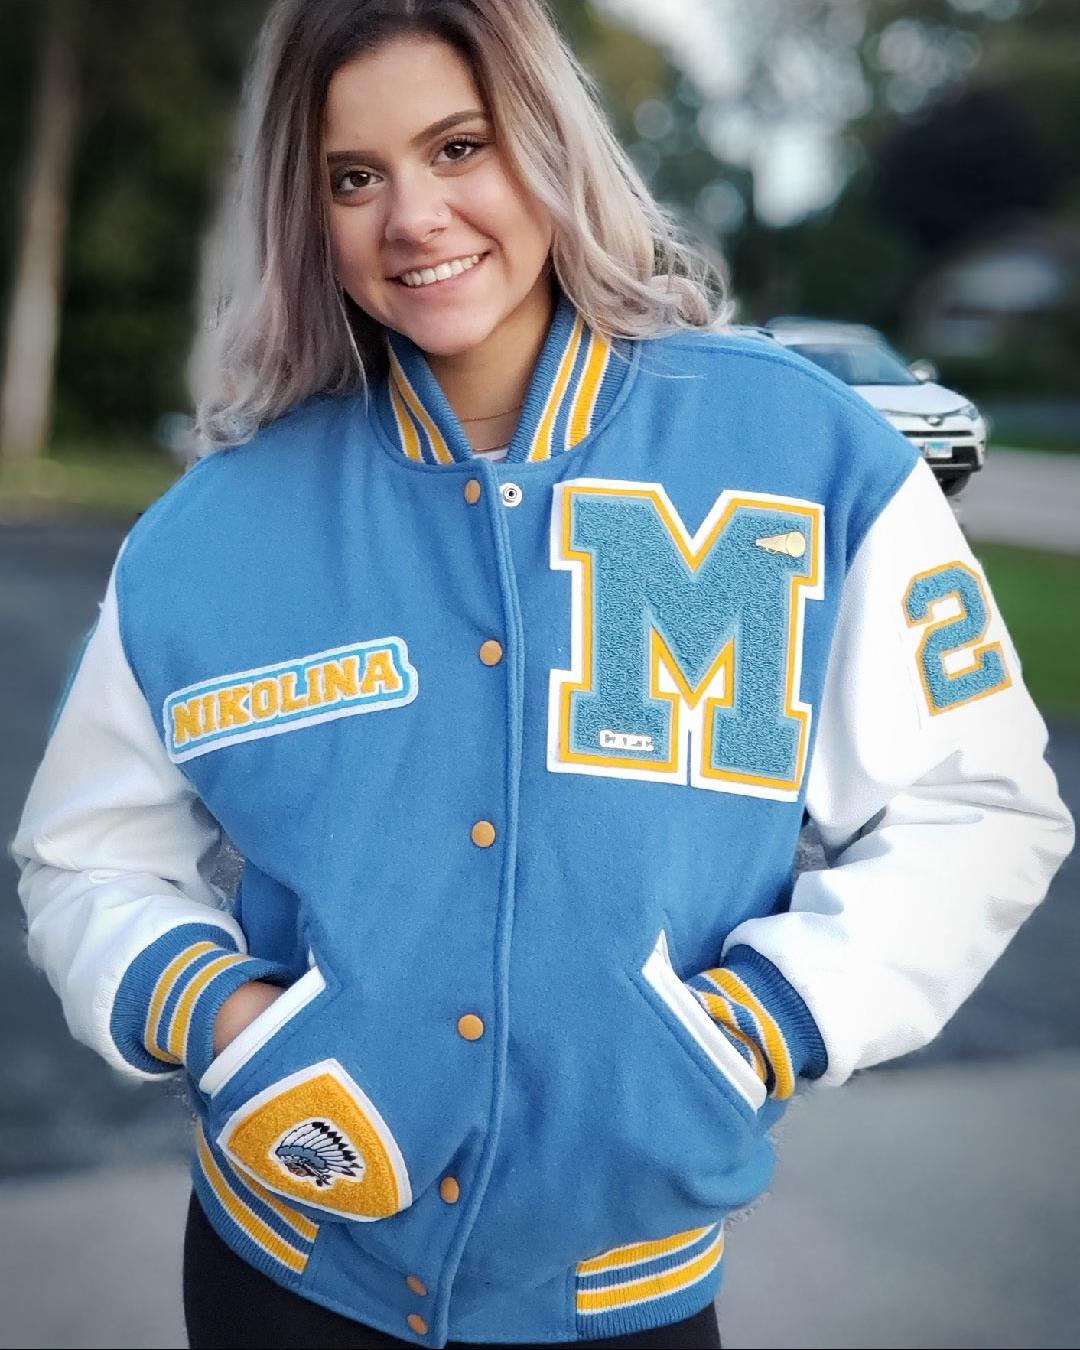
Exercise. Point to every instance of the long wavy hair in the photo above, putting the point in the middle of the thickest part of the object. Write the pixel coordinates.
(276, 326)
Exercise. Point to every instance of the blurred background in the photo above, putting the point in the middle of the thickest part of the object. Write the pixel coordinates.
(906, 166)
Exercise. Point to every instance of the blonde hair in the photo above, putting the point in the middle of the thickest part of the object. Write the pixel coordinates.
(276, 325)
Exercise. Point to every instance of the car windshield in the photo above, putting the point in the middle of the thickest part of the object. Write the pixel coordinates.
(857, 362)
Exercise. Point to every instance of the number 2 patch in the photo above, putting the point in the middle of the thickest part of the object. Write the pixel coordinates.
(951, 604)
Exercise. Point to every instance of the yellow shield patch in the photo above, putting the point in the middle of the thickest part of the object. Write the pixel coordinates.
(317, 1137)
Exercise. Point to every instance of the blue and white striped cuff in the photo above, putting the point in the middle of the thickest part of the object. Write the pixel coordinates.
(165, 1007)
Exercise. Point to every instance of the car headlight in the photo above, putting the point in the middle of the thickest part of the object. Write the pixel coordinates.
(969, 411)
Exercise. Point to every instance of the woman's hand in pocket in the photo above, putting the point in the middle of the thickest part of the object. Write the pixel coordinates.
(241, 1007)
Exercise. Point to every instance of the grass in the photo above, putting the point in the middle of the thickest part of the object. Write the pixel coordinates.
(117, 481)
(1044, 444)
(1035, 591)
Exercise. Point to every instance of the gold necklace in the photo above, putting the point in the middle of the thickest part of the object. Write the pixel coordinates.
(491, 416)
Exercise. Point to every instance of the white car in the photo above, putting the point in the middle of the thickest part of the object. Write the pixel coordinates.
(949, 430)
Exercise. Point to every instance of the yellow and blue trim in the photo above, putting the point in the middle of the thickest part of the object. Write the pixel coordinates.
(260, 1227)
(648, 1283)
(764, 1018)
(164, 1010)
(575, 381)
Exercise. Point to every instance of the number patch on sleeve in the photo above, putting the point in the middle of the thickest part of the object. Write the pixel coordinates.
(955, 666)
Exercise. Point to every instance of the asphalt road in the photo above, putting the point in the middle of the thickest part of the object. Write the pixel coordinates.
(62, 1108)
(1025, 497)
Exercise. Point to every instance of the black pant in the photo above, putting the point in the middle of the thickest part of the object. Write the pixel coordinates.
(230, 1305)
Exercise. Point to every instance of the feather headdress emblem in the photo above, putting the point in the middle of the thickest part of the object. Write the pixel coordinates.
(317, 1150)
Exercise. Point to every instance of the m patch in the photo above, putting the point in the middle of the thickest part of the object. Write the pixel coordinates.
(686, 650)
(246, 705)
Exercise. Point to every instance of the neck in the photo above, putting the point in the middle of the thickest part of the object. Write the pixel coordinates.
(494, 376)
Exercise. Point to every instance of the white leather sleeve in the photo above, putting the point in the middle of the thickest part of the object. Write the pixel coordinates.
(944, 827)
(114, 847)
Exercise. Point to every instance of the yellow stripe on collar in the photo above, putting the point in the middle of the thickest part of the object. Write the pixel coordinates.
(588, 390)
(409, 436)
(421, 415)
(542, 441)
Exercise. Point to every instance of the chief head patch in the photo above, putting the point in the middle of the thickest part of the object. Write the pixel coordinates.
(315, 1136)
(248, 704)
(315, 1149)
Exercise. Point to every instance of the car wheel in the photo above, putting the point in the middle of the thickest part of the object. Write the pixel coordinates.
(953, 483)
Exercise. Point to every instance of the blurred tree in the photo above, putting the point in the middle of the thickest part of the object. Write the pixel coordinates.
(158, 87)
(969, 161)
(34, 308)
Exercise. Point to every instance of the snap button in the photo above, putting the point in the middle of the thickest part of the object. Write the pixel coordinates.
(417, 1286)
(472, 491)
(483, 834)
(491, 652)
(470, 1026)
(449, 1190)
(417, 1323)
(510, 494)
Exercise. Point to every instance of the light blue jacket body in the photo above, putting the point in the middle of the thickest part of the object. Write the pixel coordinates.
(510, 751)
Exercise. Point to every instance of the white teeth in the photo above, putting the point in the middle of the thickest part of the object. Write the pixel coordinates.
(444, 270)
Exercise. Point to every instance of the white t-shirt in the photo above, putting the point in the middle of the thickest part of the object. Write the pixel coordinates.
(496, 452)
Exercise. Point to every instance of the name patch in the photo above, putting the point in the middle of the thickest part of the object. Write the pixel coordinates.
(341, 682)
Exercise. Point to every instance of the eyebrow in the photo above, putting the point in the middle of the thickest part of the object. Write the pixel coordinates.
(335, 157)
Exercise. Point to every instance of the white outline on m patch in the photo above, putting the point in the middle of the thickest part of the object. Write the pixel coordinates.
(249, 704)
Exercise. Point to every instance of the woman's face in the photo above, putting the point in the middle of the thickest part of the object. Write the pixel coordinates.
(416, 180)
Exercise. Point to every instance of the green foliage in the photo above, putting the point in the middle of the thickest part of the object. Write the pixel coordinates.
(159, 87)
(158, 84)
(1036, 593)
(118, 479)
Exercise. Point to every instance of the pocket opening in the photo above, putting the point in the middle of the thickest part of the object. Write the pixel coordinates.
(664, 980)
(224, 1067)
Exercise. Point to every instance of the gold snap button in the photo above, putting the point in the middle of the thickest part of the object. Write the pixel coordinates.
(510, 494)
(449, 1190)
(483, 834)
(491, 652)
(417, 1286)
(470, 1026)
(417, 1323)
(472, 491)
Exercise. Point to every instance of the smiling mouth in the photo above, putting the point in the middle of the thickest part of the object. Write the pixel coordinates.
(428, 278)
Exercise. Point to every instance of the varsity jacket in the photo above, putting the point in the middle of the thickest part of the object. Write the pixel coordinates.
(517, 756)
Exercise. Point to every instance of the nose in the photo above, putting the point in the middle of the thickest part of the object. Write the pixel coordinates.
(416, 209)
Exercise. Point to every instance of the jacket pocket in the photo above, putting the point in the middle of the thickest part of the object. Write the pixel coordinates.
(259, 1032)
(691, 1025)
(287, 1106)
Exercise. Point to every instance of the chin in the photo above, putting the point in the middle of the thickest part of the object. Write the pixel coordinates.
(453, 335)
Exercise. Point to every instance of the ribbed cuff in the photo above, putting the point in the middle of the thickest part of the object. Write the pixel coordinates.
(749, 998)
(164, 1011)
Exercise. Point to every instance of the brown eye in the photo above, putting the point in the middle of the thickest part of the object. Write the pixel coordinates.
(470, 143)
(343, 184)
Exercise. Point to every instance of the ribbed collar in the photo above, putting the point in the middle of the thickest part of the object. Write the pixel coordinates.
(575, 380)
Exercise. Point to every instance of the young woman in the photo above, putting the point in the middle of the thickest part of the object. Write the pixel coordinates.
(510, 631)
